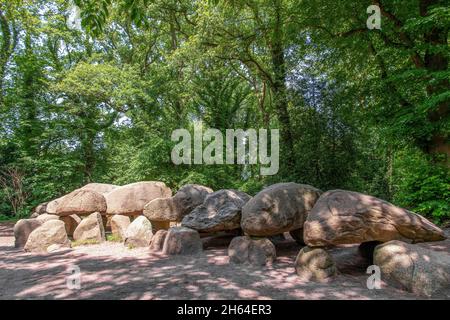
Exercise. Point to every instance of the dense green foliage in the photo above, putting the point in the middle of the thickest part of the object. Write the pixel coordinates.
(358, 109)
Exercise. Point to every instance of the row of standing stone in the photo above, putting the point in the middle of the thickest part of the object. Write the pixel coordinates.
(146, 214)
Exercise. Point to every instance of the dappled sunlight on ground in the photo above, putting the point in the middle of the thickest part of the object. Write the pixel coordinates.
(112, 271)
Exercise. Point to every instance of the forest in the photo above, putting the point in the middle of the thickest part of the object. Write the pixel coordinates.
(91, 91)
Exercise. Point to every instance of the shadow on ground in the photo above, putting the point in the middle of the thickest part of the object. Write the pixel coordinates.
(111, 271)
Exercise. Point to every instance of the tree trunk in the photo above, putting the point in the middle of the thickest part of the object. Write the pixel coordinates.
(87, 146)
(29, 113)
(435, 62)
(280, 91)
(5, 51)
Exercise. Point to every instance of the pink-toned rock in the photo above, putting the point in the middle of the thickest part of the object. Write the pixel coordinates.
(34, 215)
(22, 230)
(182, 241)
(139, 233)
(56, 248)
(81, 202)
(119, 225)
(41, 208)
(176, 207)
(49, 233)
(131, 198)
(52, 206)
(90, 228)
(71, 223)
(46, 217)
(245, 250)
(102, 188)
(158, 239)
(345, 217)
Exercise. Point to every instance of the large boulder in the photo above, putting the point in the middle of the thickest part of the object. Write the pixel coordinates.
(81, 202)
(119, 225)
(158, 239)
(71, 223)
(176, 207)
(131, 198)
(90, 229)
(419, 270)
(182, 241)
(102, 188)
(34, 215)
(49, 233)
(257, 252)
(221, 211)
(278, 208)
(22, 230)
(314, 264)
(46, 217)
(139, 233)
(345, 217)
(53, 205)
(41, 208)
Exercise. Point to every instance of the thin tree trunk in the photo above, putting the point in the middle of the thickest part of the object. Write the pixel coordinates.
(87, 145)
(280, 90)
(435, 62)
(5, 51)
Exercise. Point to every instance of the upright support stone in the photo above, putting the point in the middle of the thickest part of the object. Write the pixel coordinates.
(23, 229)
(158, 240)
(50, 234)
(71, 223)
(139, 233)
(90, 228)
(246, 250)
(182, 241)
(315, 264)
(119, 225)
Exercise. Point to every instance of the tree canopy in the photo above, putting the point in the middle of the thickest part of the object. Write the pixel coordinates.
(97, 98)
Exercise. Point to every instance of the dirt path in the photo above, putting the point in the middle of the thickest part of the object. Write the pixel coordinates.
(111, 271)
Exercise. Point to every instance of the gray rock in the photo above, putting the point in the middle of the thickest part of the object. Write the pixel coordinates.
(278, 208)
(297, 235)
(345, 217)
(182, 241)
(176, 207)
(244, 250)
(221, 211)
(422, 271)
(314, 264)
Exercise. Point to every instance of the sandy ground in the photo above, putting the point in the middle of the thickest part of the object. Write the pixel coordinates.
(111, 271)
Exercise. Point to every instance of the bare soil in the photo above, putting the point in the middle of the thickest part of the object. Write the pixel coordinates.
(112, 271)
